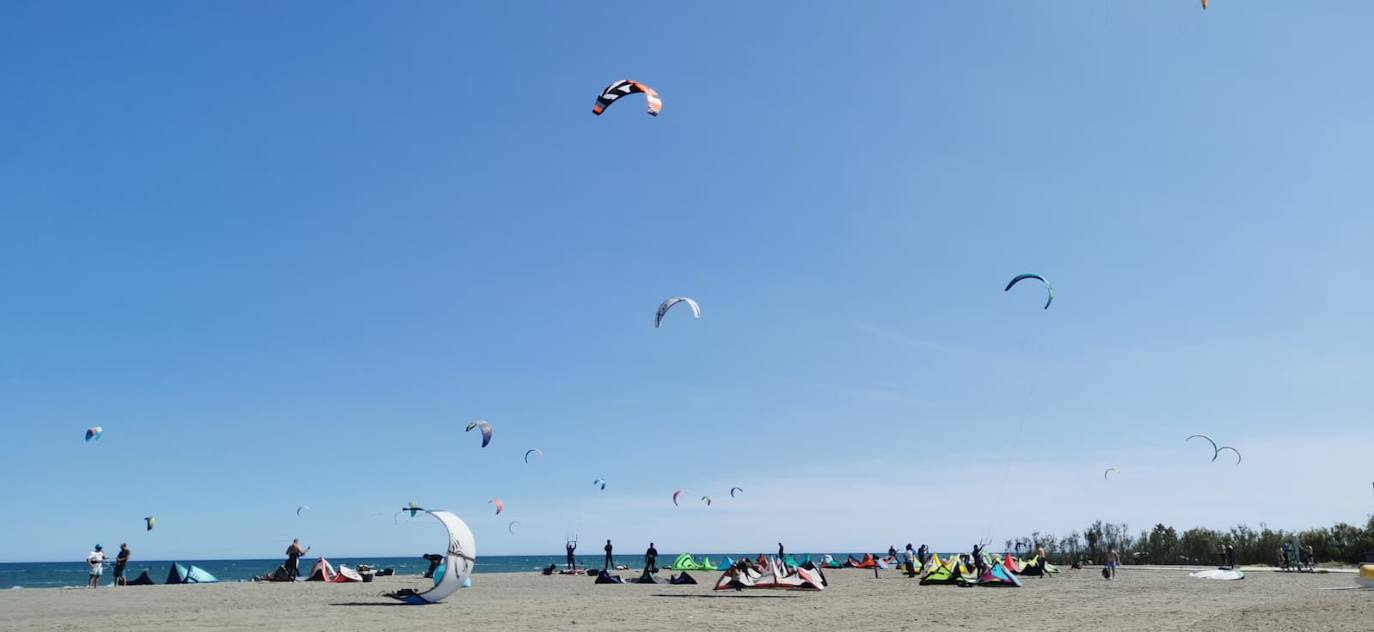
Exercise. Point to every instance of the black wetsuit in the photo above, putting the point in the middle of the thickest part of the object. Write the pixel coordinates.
(650, 557)
(121, 561)
(293, 564)
(608, 555)
(782, 555)
(572, 559)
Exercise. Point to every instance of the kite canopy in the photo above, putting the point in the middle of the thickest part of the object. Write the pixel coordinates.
(624, 87)
(600, 482)
(736, 489)
(462, 556)
(300, 509)
(707, 500)
(1233, 451)
(499, 505)
(1215, 449)
(93, 433)
(486, 430)
(511, 527)
(149, 522)
(668, 304)
(1109, 471)
(1049, 289)
(675, 495)
(533, 451)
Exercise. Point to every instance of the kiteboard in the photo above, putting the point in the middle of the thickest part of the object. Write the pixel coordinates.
(1218, 574)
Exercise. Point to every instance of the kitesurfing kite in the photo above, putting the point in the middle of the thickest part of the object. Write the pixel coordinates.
(302, 508)
(149, 522)
(668, 304)
(1049, 289)
(1227, 447)
(1109, 471)
(462, 556)
(736, 489)
(707, 499)
(533, 451)
(675, 495)
(599, 482)
(511, 527)
(93, 433)
(624, 87)
(1210, 441)
(413, 509)
(486, 430)
(499, 505)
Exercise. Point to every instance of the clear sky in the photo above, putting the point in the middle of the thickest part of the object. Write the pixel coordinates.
(283, 252)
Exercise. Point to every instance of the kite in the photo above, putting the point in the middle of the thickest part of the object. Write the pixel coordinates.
(149, 522)
(736, 489)
(1227, 447)
(675, 495)
(499, 505)
(1109, 471)
(624, 87)
(1048, 288)
(300, 509)
(462, 556)
(413, 509)
(601, 482)
(511, 527)
(1215, 450)
(486, 430)
(533, 451)
(93, 433)
(707, 499)
(668, 304)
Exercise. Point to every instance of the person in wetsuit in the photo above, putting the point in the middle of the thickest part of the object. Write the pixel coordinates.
(609, 557)
(293, 558)
(651, 558)
(121, 561)
(572, 558)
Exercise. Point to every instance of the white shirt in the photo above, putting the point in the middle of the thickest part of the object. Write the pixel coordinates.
(96, 559)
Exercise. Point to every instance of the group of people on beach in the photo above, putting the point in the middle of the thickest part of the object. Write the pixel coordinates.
(96, 561)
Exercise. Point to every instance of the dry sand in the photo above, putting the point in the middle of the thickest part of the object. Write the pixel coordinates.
(1138, 600)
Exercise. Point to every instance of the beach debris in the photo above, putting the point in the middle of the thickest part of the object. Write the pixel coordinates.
(149, 522)
(675, 495)
(93, 433)
(533, 451)
(625, 87)
(302, 508)
(486, 430)
(500, 505)
(707, 500)
(1215, 449)
(601, 482)
(1049, 289)
(668, 304)
(736, 489)
(1109, 471)
(511, 527)
(1233, 451)
(461, 557)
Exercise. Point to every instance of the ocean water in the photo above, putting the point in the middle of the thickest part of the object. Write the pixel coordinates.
(58, 574)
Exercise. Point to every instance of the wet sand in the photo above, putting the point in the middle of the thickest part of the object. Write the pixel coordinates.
(1139, 600)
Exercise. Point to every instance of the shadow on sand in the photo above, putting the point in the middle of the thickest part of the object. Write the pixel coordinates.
(730, 596)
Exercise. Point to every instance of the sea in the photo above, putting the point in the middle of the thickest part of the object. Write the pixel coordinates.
(22, 575)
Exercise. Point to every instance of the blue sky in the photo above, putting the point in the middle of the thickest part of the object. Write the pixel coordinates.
(284, 252)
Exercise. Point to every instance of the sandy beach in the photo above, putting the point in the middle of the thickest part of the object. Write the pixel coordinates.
(1075, 600)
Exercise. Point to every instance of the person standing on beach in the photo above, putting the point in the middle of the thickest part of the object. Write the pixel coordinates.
(891, 553)
(1113, 560)
(571, 546)
(1230, 555)
(121, 561)
(1042, 558)
(909, 560)
(978, 560)
(651, 558)
(782, 555)
(922, 553)
(293, 558)
(96, 560)
(609, 548)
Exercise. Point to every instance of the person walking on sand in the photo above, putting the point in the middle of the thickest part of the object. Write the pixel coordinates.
(96, 560)
(609, 557)
(571, 546)
(1041, 558)
(293, 558)
(651, 558)
(121, 561)
(1113, 560)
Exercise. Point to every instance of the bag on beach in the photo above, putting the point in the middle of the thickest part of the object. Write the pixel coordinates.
(1106, 572)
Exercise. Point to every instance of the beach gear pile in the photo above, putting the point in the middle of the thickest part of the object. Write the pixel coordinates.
(776, 576)
(996, 572)
(178, 574)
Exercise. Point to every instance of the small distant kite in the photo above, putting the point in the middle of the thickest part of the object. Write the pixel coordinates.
(1233, 450)
(625, 87)
(533, 451)
(149, 522)
(1049, 289)
(511, 527)
(600, 482)
(302, 508)
(93, 433)
(675, 495)
(486, 430)
(412, 508)
(736, 489)
(1109, 471)
(668, 304)
(1213, 443)
(707, 500)
(499, 505)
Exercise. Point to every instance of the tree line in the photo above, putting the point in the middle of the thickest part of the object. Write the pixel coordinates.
(1342, 542)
